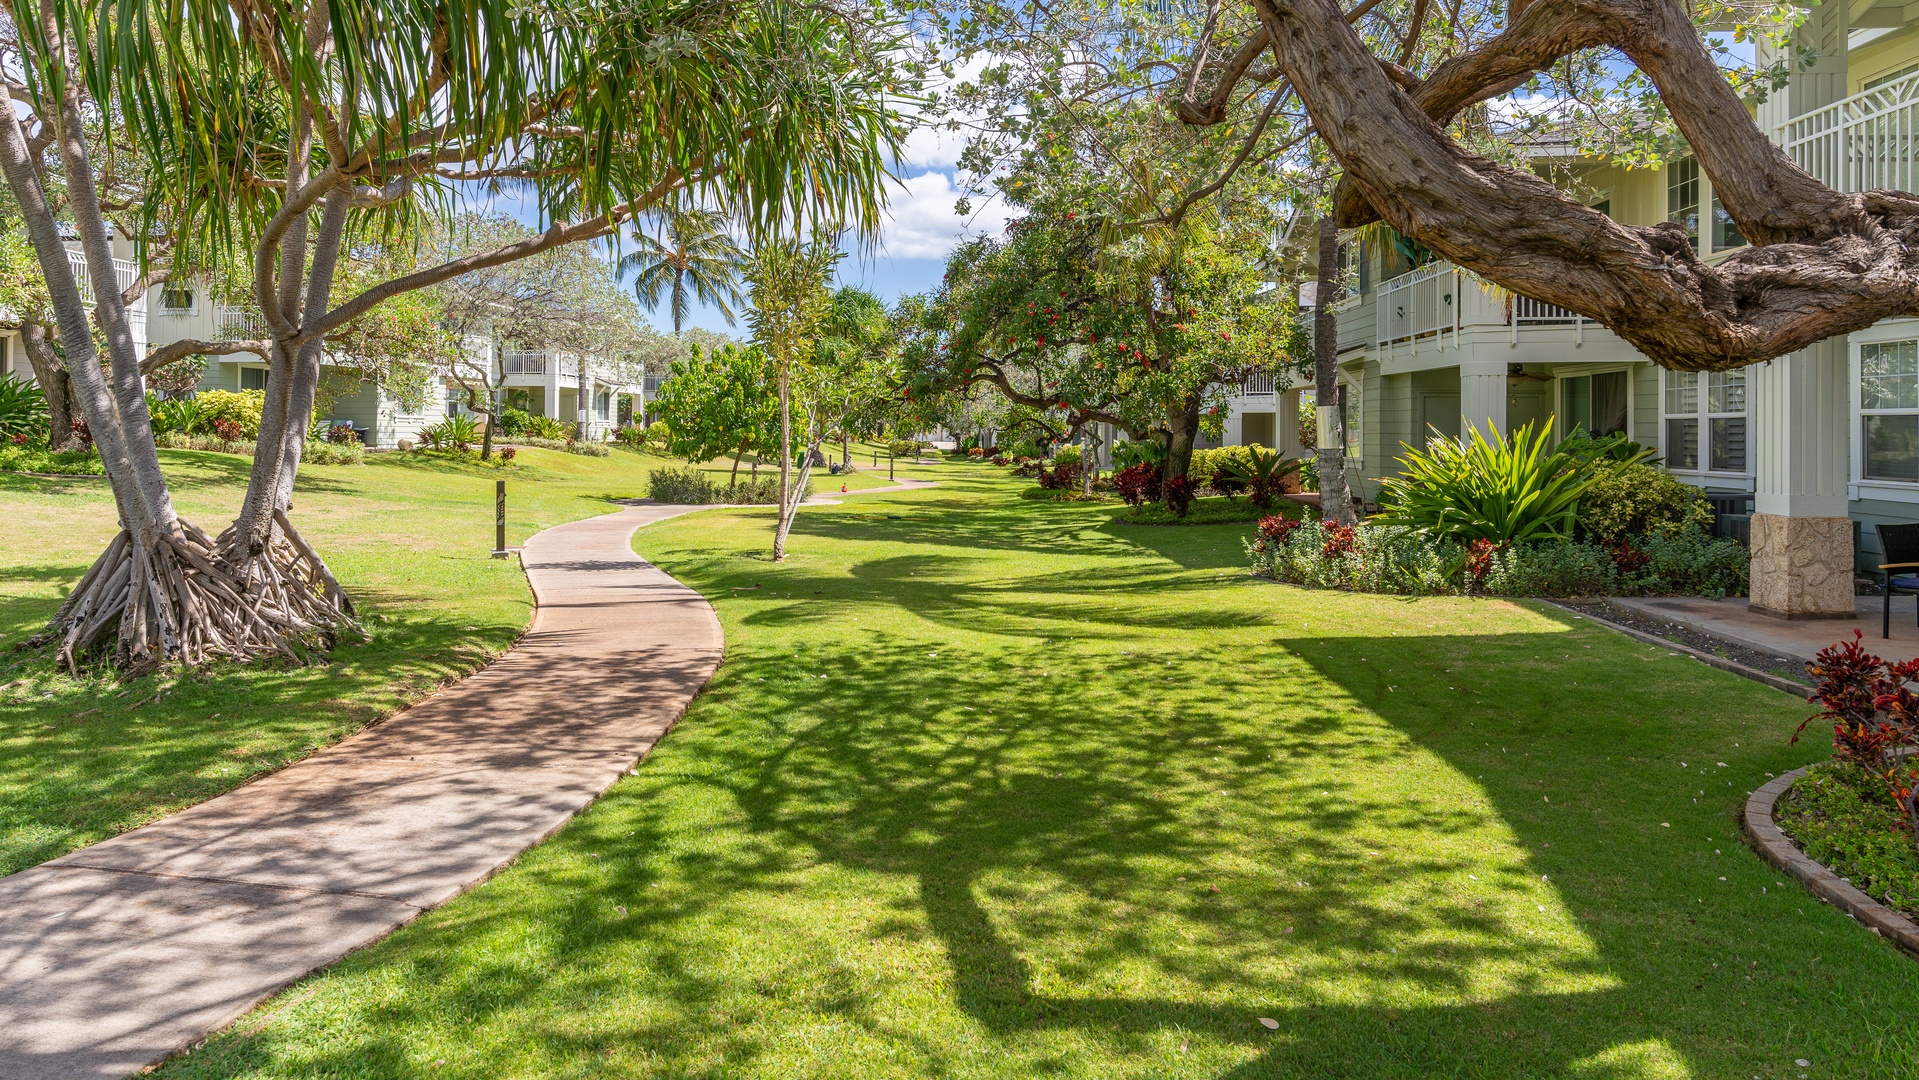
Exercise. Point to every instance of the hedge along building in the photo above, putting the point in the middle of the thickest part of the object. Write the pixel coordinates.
(1816, 446)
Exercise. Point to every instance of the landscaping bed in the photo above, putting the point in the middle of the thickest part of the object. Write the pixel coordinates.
(1843, 818)
(1691, 637)
(1208, 510)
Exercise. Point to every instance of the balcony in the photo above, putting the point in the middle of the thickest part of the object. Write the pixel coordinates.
(1440, 303)
(125, 271)
(1256, 385)
(233, 323)
(1859, 143)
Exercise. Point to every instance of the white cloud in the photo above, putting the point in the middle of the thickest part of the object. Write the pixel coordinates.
(922, 223)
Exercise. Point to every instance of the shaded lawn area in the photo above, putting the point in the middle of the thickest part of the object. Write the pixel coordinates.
(991, 788)
(408, 536)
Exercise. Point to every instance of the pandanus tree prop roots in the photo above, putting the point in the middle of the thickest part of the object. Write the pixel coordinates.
(176, 595)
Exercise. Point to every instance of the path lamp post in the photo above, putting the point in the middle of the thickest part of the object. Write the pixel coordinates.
(499, 519)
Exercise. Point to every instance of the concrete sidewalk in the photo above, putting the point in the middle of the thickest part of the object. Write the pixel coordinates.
(118, 955)
(1795, 640)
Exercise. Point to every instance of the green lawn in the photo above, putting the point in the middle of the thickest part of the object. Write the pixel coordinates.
(990, 788)
(409, 536)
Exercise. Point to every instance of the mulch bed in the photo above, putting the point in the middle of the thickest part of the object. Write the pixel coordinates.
(1759, 659)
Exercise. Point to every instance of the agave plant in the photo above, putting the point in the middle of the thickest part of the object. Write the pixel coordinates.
(23, 409)
(1503, 491)
(1262, 470)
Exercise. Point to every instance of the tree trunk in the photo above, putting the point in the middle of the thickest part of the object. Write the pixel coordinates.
(734, 480)
(581, 396)
(486, 437)
(1335, 502)
(55, 384)
(1086, 462)
(786, 464)
(1182, 425)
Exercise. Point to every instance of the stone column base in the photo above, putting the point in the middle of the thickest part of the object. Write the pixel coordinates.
(1802, 567)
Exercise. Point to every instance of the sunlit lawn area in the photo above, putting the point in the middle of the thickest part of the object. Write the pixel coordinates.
(409, 537)
(988, 787)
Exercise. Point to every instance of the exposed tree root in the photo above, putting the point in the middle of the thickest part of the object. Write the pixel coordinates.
(174, 595)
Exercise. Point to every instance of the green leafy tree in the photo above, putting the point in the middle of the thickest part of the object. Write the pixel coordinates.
(693, 257)
(721, 403)
(281, 143)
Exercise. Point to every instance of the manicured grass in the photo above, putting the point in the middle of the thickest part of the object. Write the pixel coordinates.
(1211, 510)
(408, 535)
(994, 788)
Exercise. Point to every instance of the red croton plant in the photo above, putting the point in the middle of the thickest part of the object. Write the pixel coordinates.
(1874, 714)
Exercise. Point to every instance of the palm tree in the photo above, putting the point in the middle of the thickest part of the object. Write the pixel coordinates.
(695, 255)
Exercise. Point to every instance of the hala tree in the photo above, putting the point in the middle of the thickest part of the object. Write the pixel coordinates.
(790, 308)
(292, 133)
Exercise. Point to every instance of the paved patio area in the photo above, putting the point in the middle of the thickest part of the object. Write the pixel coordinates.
(1797, 639)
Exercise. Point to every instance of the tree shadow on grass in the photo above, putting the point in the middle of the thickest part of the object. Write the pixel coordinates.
(85, 758)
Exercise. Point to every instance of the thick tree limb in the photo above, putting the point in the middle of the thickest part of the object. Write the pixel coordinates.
(160, 356)
(1645, 283)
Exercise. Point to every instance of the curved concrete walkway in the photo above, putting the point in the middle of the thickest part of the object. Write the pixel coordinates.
(118, 955)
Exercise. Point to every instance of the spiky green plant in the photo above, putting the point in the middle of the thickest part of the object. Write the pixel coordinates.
(1262, 470)
(23, 409)
(1503, 491)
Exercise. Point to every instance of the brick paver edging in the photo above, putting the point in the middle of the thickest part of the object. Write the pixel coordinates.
(1779, 849)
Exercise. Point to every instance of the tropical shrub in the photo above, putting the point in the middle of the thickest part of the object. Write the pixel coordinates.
(512, 421)
(213, 443)
(1061, 478)
(764, 491)
(1874, 715)
(630, 437)
(240, 409)
(1178, 491)
(458, 432)
(684, 486)
(975, 452)
(23, 408)
(1138, 483)
(900, 448)
(1128, 453)
(1507, 491)
(173, 414)
(335, 453)
(1260, 472)
(1401, 559)
(33, 456)
(1628, 499)
(342, 435)
(508, 453)
(1066, 455)
(1001, 459)
(570, 446)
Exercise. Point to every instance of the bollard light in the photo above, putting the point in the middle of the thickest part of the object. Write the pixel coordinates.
(499, 519)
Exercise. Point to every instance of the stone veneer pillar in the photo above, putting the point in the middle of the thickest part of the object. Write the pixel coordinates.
(1482, 397)
(1802, 554)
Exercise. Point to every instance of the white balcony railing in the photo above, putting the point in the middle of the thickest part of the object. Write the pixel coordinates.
(1440, 302)
(1256, 384)
(523, 364)
(1862, 142)
(124, 271)
(235, 323)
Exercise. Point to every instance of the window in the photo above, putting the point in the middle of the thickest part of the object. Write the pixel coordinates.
(1889, 408)
(1604, 206)
(1892, 77)
(1713, 404)
(176, 299)
(253, 378)
(1354, 275)
(1682, 196)
(1725, 231)
(455, 399)
(602, 405)
(1596, 403)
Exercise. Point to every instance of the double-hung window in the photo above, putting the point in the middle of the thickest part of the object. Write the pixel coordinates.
(1682, 196)
(1889, 409)
(1349, 417)
(1706, 421)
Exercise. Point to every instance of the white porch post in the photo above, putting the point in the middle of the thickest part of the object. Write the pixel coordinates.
(551, 406)
(1286, 423)
(1482, 397)
(1802, 557)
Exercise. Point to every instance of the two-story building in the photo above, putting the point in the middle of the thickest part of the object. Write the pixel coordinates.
(1816, 446)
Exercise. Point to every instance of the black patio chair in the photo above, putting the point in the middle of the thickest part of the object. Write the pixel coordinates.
(1901, 545)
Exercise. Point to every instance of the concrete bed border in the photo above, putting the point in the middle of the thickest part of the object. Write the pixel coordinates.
(1796, 689)
(1779, 850)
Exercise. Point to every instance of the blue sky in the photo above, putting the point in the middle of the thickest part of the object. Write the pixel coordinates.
(919, 229)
